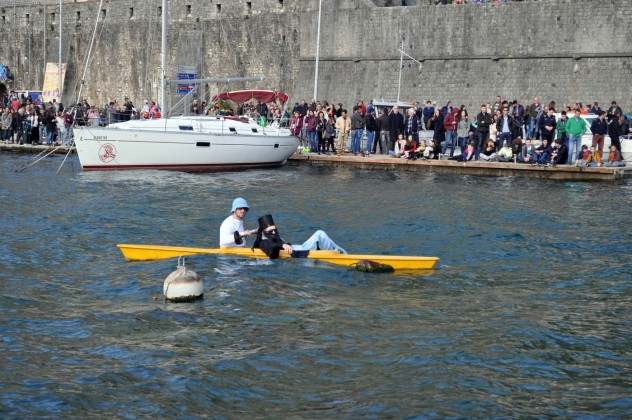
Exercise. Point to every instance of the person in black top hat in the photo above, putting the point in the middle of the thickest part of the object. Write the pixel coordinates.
(270, 242)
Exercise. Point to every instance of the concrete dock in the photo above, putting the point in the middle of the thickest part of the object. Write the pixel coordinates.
(34, 148)
(389, 163)
(478, 168)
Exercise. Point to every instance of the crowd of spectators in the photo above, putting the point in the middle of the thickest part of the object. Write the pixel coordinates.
(24, 122)
(502, 131)
(264, 113)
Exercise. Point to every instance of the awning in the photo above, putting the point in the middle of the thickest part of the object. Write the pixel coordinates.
(264, 96)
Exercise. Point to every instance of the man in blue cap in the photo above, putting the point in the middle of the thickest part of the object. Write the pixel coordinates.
(232, 231)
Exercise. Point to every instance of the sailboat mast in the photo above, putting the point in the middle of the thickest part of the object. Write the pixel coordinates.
(85, 68)
(59, 86)
(163, 56)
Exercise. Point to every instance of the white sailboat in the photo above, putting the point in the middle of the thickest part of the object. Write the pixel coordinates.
(184, 143)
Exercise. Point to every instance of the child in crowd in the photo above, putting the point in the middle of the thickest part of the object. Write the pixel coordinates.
(423, 150)
(583, 155)
(593, 159)
(614, 158)
(469, 152)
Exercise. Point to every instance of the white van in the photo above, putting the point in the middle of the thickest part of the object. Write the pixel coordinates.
(382, 104)
(626, 142)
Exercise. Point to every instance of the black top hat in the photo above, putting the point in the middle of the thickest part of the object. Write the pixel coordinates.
(265, 222)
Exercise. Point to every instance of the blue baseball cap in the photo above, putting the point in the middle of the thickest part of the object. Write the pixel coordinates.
(239, 203)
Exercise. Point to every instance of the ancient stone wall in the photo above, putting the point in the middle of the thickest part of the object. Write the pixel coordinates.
(565, 50)
(562, 50)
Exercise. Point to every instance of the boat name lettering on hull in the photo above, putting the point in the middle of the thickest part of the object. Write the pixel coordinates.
(100, 137)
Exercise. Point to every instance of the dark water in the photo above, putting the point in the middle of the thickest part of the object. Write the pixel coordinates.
(527, 315)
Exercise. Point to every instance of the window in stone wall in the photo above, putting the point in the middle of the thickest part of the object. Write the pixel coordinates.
(218, 7)
(131, 13)
(52, 17)
(188, 10)
(248, 6)
(159, 11)
(103, 13)
(78, 15)
(281, 4)
(28, 18)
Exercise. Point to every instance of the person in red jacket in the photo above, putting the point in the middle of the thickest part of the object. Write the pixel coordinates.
(296, 124)
(450, 124)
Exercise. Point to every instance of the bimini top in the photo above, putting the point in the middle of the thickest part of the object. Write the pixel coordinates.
(264, 96)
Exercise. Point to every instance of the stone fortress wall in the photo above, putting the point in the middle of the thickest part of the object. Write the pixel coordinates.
(562, 50)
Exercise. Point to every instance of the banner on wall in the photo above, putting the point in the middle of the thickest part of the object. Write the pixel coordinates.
(185, 73)
(50, 90)
(5, 74)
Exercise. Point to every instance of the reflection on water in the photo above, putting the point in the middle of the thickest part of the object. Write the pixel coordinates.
(526, 315)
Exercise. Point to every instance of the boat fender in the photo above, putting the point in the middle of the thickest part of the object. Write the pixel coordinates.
(183, 285)
(369, 266)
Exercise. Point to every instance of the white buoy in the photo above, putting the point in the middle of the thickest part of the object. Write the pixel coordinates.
(183, 285)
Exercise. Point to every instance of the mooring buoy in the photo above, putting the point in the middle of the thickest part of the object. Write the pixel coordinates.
(183, 285)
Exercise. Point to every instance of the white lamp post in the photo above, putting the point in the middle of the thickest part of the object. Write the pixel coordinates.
(320, 4)
(59, 86)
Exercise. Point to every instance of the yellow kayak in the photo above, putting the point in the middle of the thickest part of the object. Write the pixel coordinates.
(157, 252)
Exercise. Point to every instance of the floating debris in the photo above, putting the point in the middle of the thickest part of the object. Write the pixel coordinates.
(369, 266)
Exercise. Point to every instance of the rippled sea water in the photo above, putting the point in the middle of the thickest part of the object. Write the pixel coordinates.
(527, 314)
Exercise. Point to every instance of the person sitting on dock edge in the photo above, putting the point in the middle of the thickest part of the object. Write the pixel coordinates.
(232, 229)
(542, 153)
(527, 153)
(489, 152)
(593, 159)
(270, 242)
(505, 154)
(582, 156)
(614, 158)
(559, 154)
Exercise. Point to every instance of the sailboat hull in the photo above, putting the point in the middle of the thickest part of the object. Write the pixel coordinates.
(192, 145)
